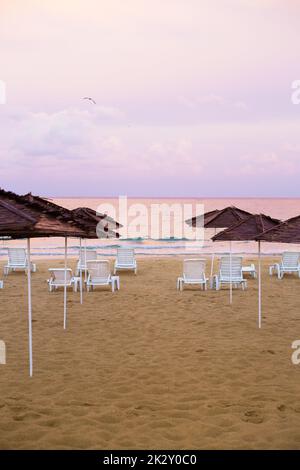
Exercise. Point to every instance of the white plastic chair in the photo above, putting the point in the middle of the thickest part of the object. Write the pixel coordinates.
(225, 277)
(88, 255)
(17, 259)
(193, 273)
(125, 260)
(99, 275)
(61, 279)
(289, 264)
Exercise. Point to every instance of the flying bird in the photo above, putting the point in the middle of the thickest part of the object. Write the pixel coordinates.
(90, 99)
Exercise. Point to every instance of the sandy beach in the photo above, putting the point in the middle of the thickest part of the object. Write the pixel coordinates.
(150, 367)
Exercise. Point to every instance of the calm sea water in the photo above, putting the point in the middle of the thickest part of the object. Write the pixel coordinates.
(145, 245)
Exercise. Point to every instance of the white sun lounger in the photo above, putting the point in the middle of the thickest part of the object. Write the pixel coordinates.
(125, 260)
(60, 279)
(251, 270)
(17, 259)
(289, 264)
(88, 255)
(225, 277)
(193, 273)
(99, 275)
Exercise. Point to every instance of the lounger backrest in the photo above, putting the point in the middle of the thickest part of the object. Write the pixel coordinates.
(58, 275)
(236, 267)
(17, 256)
(90, 255)
(290, 259)
(98, 270)
(125, 256)
(194, 269)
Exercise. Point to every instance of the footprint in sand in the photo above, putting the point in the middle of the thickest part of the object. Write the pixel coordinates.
(252, 416)
(281, 407)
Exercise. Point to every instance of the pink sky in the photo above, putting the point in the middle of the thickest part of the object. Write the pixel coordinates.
(193, 97)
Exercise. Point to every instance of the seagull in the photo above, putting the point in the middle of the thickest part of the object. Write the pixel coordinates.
(90, 99)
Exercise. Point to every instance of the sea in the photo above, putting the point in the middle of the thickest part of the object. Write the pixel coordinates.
(165, 235)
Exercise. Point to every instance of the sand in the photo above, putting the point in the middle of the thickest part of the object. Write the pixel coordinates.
(149, 367)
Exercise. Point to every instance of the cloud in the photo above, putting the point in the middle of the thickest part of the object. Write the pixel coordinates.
(76, 151)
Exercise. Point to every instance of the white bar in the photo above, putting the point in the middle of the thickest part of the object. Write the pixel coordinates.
(259, 285)
(65, 286)
(230, 292)
(85, 260)
(80, 270)
(29, 308)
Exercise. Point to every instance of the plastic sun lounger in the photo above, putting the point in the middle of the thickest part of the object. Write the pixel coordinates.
(125, 260)
(193, 273)
(289, 264)
(251, 270)
(88, 255)
(99, 275)
(225, 277)
(61, 279)
(17, 259)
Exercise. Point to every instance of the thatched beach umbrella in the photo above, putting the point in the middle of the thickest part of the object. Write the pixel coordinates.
(218, 218)
(90, 215)
(247, 230)
(93, 224)
(286, 232)
(20, 218)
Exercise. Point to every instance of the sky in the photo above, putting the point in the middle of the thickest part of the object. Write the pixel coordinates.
(193, 97)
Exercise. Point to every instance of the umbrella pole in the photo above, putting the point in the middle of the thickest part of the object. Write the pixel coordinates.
(230, 290)
(212, 265)
(85, 260)
(80, 271)
(65, 286)
(259, 285)
(29, 307)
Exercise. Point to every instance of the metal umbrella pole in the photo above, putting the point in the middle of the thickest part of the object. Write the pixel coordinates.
(65, 286)
(29, 308)
(259, 285)
(80, 271)
(230, 258)
(85, 260)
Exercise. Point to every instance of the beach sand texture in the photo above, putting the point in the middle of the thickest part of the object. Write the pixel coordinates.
(150, 367)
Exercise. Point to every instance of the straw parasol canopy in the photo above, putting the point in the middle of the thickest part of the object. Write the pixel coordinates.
(20, 218)
(93, 226)
(219, 218)
(286, 232)
(247, 229)
(91, 218)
